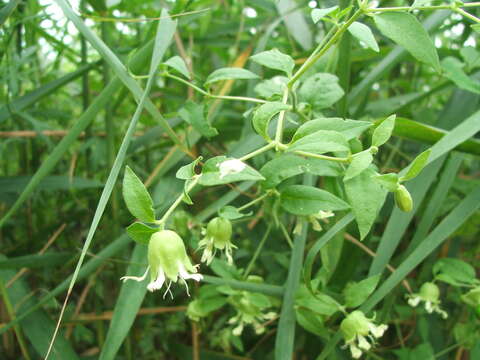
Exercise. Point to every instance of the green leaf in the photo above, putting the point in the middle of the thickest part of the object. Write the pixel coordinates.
(356, 293)
(263, 115)
(453, 69)
(363, 33)
(406, 30)
(137, 198)
(271, 87)
(383, 131)
(275, 59)
(388, 181)
(232, 213)
(286, 166)
(321, 142)
(311, 322)
(321, 91)
(211, 173)
(140, 232)
(454, 272)
(308, 200)
(319, 14)
(187, 172)
(348, 128)
(366, 198)
(177, 63)
(416, 166)
(193, 114)
(360, 162)
(230, 73)
(471, 57)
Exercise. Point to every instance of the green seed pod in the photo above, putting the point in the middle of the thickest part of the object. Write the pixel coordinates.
(403, 199)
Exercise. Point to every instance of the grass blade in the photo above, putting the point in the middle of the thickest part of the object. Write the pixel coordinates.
(165, 31)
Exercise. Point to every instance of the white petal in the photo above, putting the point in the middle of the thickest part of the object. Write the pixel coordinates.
(238, 330)
(378, 331)
(135, 278)
(363, 343)
(414, 301)
(185, 275)
(356, 352)
(428, 306)
(159, 281)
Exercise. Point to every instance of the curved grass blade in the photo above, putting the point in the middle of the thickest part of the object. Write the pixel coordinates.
(165, 31)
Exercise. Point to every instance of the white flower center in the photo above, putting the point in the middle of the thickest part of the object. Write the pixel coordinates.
(158, 282)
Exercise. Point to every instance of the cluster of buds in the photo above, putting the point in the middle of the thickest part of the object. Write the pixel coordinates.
(167, 262)
(430, 295)
(357, 330)
(218, 236)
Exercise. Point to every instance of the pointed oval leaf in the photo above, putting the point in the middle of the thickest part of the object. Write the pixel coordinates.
(363, 33)
(383, 131)
(404, 29)
(321, 91)
(230, 73)
(321, 142)
(137, 198)
(177, 63)
(308, 200)
(211, 173)
(349, 128)
(366, 198)
(141, 233)
(356, 293)
(417, 165)
(193, 114)
(319, 14)
(275, 59)
(360, 162)
(263, 115)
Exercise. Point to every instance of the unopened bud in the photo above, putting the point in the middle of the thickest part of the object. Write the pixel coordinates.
(403, 199)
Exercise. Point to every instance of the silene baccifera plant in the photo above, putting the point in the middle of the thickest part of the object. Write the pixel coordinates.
(304, 143)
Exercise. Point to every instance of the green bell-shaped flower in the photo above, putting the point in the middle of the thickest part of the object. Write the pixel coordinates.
(356, 329)
(430, 294)
(217, 237)
(167, 261)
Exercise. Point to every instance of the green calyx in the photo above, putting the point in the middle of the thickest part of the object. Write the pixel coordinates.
(430, 292)
(166, 250)
(356, 323)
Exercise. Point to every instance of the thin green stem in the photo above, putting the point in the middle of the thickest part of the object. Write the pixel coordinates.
(253, 202)
(321, 157)
(287, 236)
(257, 251)
(281, 117)
(207, 94)
(177, 202)
(467, 15)
(321, 51)
(258, 151)
(431, 7)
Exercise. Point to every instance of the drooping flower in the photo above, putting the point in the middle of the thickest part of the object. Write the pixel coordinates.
(314, 219)
(357, 330)
(430, 294)
(167, 262)
(217, 237)
(231, 166)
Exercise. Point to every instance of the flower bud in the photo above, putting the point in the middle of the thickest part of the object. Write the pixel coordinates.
(220, 230)
(217, 237)
(403, 199)
(430, 292)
